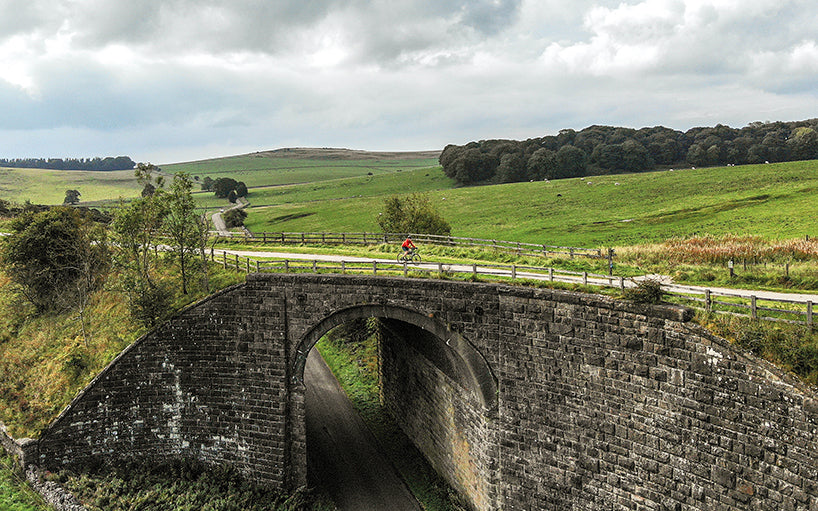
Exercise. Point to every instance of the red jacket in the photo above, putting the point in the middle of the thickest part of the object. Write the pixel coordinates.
(408, 243)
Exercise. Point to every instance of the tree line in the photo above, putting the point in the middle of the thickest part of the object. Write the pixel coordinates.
(598, 150)
(108, 163)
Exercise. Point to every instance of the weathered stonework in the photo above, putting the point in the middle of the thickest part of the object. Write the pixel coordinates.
(522, 398)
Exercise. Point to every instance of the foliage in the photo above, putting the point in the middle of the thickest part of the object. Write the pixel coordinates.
(15, 494)
(56, 257)
(234, 217)
(412, 213)
(223, 186)
(71, 197)
(185, 228)
(176, 486)
(598, 150)
(95, 164)
(795, 348)
(207, 184)
(646, 291)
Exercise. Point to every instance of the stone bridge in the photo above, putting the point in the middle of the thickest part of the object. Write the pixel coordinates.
(521, 398)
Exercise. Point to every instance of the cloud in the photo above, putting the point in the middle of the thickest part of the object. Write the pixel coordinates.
(158, 75)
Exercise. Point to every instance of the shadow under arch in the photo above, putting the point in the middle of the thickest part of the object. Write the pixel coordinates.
(471, 367)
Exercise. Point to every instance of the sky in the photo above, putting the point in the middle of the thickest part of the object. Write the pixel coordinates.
(164, 81)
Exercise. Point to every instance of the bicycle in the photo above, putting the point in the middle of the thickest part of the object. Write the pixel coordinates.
(409, 257)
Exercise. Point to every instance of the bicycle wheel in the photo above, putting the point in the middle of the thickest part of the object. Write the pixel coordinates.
(415, 258)
(401, 258)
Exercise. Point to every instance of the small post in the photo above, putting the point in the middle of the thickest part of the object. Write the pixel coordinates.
(708, 303)
(343, 266)
(248, 265)
(212, 254)
(314, 266)
(224, 254)
(405, 271)
(302, 238)
(237, 263)
(286, 265)
(585, 278)
(474, 269)
(571, 251)
(513, 271)
(258, 266)
(551, 274)
(264, 237)
(787, 269)
(621, 282)
(730, 266)
(440, 268)
(753, 307)
(809, 313)
(374, 267)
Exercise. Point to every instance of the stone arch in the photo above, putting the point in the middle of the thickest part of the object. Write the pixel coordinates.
(472, 369)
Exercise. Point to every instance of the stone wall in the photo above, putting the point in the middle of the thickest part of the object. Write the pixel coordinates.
(604, 405)
(568, 400)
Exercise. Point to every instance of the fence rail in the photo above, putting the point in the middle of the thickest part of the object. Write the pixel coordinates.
(369, 238)
(761, 308)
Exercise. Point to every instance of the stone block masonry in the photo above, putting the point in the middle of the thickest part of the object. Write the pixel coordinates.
(522, 398)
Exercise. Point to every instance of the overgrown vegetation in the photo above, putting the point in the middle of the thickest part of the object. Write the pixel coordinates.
(178, 486)
(350, 350)
(791, 347)
(15, 493)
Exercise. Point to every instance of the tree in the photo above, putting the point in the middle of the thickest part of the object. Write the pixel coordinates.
(413, 213)
(241, 189)
(223, 186)
(136, 229)
(234, 217)
(183, 225)
(512, 168)
(58, 258)
(207, 184)
(71, 197)
(571, 162)
(232, 197)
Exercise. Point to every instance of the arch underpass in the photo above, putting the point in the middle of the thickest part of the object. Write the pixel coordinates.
(522, 398)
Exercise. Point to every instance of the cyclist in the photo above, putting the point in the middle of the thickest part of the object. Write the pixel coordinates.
(407, 245)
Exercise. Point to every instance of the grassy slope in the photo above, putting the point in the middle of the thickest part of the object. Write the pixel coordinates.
(49, 186)
(773, 201)
(15, 494)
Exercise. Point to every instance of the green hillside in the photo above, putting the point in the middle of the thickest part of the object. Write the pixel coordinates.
(773, 201)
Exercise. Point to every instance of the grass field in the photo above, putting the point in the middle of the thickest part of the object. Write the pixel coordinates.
(49, 186)
(290, 166)
(772, 201)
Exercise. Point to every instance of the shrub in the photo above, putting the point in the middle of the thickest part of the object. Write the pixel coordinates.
(646, 291)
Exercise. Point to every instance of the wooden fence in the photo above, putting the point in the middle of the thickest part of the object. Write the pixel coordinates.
(364, 238)
(790, 311)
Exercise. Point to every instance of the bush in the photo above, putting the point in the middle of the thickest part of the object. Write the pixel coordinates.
(412, 214)
(646, 291)
(234, 217)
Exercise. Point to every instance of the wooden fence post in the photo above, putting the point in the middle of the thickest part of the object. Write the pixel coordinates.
(809, 313)
(286, 266)
(343, 266)
(474, 269)
(551, 274)
(708, 303)
(314, 266)
(405, 271)
(258, 266)
(225, 259)
(237, 263)
(374, 267)
(585, 278)
(621, 282)
(753, 307)
(248, 265)
(513, 271)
